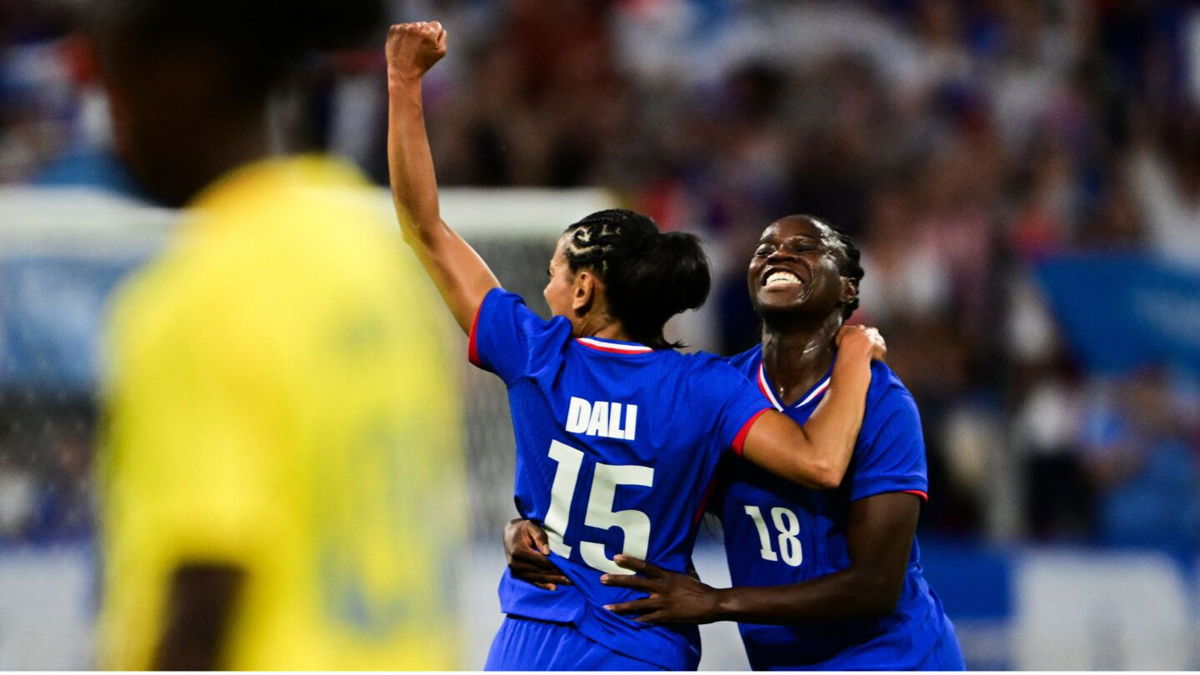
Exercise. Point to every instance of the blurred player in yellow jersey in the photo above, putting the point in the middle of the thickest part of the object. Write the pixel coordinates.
(281, 465)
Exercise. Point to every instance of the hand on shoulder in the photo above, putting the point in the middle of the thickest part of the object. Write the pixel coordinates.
(861, 340)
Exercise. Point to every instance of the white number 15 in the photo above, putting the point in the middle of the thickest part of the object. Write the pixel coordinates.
(634, 524)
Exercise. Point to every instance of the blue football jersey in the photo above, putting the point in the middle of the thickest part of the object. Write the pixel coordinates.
(616, 446)
(777, 533)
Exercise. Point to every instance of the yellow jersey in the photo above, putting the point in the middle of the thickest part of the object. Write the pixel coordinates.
(281, 400)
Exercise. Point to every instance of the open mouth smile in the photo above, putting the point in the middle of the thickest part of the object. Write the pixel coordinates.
(779, 277)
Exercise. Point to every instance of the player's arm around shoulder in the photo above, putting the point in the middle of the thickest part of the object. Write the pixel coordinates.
(818, 454)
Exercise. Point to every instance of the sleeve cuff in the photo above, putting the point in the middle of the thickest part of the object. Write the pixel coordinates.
(739, 441)
(869, 487)
(473, 338)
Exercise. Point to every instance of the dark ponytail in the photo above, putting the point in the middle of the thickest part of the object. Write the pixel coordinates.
(649, 276)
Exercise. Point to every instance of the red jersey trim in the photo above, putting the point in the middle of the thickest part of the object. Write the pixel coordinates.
(613, 347)
(920, 493)
(815, 393)
(472, 339)
(740, 439)
(762, 386)
(766, 390)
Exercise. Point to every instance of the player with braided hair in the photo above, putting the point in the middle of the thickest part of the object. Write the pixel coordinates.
(617, 435)
(822, 580)
(650, 276)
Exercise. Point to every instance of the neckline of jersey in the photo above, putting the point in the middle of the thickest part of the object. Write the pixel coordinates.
(307, 170)
(613, 346)
(765, 385)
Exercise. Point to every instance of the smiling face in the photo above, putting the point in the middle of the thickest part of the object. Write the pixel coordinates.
(795, 269)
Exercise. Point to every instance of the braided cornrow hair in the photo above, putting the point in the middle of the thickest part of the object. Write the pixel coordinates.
(595, 239)
(851, 267)
(649, 276)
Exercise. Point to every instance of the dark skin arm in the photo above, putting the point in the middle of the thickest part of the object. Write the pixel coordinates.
(879, 535)
(199, 606)
(526, 546)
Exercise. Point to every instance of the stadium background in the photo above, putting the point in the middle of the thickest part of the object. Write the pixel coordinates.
(1023, 177)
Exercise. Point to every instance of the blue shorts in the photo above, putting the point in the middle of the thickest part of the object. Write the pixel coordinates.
(947, 654)
(529, 644)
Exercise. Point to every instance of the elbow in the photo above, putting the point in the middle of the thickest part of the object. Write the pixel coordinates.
(823, 469)
(828, 480)
(413, 236)
(823, 476)
(870, 601)
(877, 598)
(882, 604)
(421, 235)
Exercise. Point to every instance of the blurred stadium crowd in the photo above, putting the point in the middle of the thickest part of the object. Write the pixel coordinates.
(961, 143)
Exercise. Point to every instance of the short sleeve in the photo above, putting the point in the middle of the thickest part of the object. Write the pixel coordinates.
(502, 333)
(738, 404)
(890, 456)
(191, 454)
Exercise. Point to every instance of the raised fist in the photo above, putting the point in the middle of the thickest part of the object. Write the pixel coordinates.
(413, 48)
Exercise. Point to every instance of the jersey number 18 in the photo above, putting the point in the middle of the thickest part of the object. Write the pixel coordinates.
(788, 527)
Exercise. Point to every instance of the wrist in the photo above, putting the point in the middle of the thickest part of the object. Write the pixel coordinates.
(724, 605)
(854, 355)
(404, 82)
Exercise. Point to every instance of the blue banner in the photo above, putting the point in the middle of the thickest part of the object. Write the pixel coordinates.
(1123, 312)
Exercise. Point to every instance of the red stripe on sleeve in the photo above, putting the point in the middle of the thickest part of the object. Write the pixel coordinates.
(740, 439)
(472, 344)
(924, 497)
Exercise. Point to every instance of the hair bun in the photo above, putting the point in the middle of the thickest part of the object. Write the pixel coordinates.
(682, 253)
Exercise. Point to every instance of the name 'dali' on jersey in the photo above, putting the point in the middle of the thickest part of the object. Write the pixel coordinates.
(602, 418)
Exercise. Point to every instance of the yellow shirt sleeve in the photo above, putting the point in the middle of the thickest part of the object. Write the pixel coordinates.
(201, 399)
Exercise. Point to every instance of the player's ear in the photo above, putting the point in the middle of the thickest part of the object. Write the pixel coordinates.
(583, 292)
(849, 291)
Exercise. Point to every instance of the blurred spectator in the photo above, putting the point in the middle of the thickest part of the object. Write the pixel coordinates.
(1058, 500)
(37, 100)
(18, 499)
(1143, 459)
(64, 508)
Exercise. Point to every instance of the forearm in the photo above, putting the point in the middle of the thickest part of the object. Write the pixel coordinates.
(843, 595)
(879, 535)
(832, 431)
(410, 162)
(461, 276)
(199, 610)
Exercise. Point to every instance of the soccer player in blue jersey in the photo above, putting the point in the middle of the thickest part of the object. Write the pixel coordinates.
(617, 434)
(823, 580)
